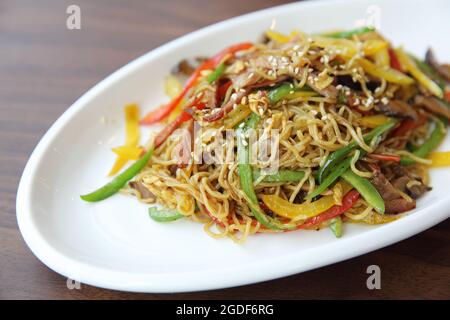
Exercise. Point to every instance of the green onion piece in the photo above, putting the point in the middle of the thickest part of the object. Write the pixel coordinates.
(433, 141)
(283, 90)
(246, 177)
(336, 226)
(280, 176)
(118, 182)
(349, 33)
(164, 215)
(213, 76)
(332, 177)
(366, 189)
(334, 158)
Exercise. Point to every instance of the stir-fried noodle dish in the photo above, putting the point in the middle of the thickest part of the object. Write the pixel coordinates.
(296, 131)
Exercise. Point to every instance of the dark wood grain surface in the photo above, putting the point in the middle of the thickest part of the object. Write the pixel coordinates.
(44, 68)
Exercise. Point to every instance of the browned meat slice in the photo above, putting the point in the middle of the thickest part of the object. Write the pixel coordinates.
(394, 202)
(401, 183)
(143, 191)
(187, 66)
(434, 105)
(415, 191)
(399, 205)
(330, 91)
(398, 108)
(384, 187)
(442, 69)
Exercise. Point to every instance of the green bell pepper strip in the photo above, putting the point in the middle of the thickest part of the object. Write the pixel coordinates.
(336, 226)
(213, 76)
(332, 177)
(280, 176)
(246, 178)
(349, 33)
(366, 189)
(433, 141)
(118, 182)
(334, 158)
(164, 215)
(283, 90)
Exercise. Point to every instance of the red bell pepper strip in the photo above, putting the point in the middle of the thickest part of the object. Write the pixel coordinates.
(447, 95)
(182, 117)
(395, 64)
(407, 126)
(348, 201)
(222, 91)
(384, 157)
(165, 110)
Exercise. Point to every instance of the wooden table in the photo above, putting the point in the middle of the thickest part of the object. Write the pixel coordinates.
(44, 68)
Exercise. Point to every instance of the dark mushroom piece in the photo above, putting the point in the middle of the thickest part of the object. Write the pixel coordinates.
(442, 69)
(433, 104)
(142, 190)
(394, 202)
(398, 108)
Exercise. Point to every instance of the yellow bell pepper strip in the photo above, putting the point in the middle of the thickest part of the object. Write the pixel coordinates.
(429, 71)
(430, 144)
(172, 87)
(336, 226)
(349, 33)
(279, 37)
(382, 58)
(280, 176)
(388, 74)
(246, 178)
(348, 48)
(301, 211)
(440, 159)
(119, 181)
(301, 94)
(236, 116)
(334, 158)
(373, 121)
(162, 112)
(128, 152)
(409, 65)
(164, 215)
(365, 189)
(372, 47)
(132, 135)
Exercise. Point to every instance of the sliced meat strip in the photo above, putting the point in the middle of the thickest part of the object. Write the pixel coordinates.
(433, 104)
(394, 202)
(398, 108)
(442, 69)
(143, 191)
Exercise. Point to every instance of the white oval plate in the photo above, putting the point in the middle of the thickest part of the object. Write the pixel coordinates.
(113, 244)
